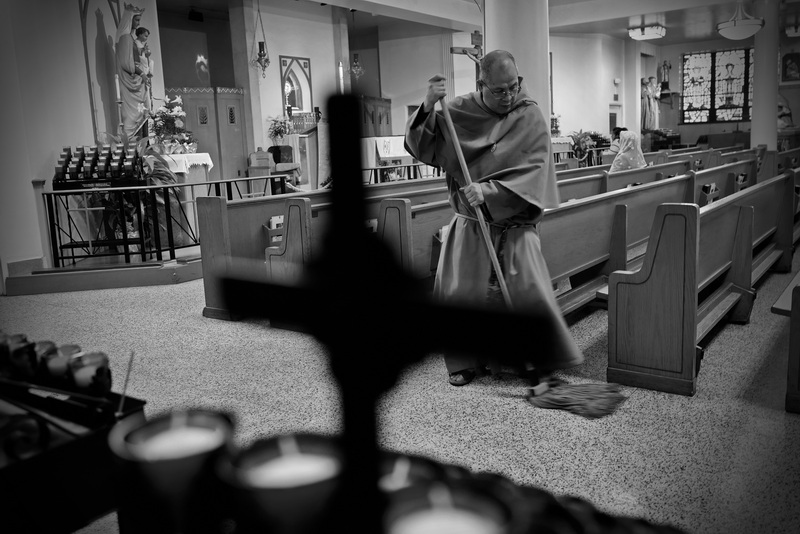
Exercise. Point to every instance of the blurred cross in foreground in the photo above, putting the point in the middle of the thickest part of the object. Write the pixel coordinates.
(375, 320)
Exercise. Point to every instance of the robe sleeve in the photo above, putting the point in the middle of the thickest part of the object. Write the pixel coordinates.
(420, 140)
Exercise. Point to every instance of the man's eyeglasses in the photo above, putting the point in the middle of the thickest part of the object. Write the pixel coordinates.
(501, 93)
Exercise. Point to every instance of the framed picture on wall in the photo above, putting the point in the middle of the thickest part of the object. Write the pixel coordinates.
(790, 68)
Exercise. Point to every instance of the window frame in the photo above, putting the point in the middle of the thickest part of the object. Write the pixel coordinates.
(712, 112)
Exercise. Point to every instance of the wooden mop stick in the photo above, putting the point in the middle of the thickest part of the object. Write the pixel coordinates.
(481, 222)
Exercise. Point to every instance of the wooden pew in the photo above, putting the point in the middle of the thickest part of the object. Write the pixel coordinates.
(656, 158)
(581, 171)
(684, 150)
(411, 232)
(698, 269)
(698, 160)
(788, 304)
(652, 158)
(579, 236)
(789, 159)
(584, 186)
(248, 240)
(305, 226)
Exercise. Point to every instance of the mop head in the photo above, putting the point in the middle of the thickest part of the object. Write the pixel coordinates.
(588, 400)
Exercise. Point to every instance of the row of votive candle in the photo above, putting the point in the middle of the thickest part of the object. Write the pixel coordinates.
(93, 162)
(283, 484)
(60, 366)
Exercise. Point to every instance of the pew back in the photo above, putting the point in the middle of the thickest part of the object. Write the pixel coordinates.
(581, 171)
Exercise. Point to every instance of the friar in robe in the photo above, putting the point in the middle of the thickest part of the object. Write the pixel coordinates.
(506, 144)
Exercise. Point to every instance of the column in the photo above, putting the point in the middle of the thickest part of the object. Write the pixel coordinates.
(242, 15)
(764, 123)
(522, 27)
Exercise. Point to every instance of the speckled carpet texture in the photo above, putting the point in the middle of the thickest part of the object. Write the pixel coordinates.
(722, 461)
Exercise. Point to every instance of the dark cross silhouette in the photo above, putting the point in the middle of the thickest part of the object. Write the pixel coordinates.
(357, 276)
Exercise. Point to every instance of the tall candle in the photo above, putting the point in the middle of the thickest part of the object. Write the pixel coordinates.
(292, 470)
(178, 442)
(341, 78)
(116, 82)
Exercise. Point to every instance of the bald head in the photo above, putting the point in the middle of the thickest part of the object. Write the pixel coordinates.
(498, 63)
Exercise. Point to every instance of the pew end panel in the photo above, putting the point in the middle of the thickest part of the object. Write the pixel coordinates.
(792, 403)
(285, 262)
(652, 312)
(658, 315)
(394, 229)
(410, 230)
(215, 253)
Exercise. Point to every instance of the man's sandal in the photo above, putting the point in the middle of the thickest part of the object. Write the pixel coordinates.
(462, 378)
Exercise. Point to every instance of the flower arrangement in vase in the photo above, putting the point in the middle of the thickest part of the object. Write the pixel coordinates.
(168, 127)
(279, 128)
(582, 142)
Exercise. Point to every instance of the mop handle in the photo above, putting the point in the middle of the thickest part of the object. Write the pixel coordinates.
(481, 222)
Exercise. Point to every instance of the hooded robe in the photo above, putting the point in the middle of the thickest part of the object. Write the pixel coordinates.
(510, 156)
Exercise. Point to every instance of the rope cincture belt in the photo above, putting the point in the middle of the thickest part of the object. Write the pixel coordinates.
(493, 293)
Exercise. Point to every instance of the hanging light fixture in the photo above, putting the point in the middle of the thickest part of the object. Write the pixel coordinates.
(644, 33)
(262, 59)
(741, 26)
(356, 69)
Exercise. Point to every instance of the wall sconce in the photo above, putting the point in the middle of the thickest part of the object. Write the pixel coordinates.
(741, 26)
(262, 59)
(656, 31)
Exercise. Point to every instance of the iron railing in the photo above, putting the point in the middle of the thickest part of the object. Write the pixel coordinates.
(151, 222)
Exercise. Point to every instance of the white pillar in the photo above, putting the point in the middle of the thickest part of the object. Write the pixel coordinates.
(764, 123)
(522, 27)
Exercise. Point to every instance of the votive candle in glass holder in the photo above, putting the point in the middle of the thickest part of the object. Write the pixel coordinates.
(90, 372)
(438, 508)
(284, 484)
(167, 480)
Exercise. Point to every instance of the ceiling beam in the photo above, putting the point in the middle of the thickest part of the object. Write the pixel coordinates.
(584, 11)
(457, 15)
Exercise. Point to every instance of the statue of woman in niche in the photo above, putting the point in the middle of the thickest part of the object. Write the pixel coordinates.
(648, 107)
(131, 85)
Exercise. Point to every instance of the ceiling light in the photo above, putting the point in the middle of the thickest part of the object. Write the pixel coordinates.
(741, 26)
(644, 33)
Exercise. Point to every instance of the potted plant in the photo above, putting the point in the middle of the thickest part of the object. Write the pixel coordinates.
(581, 143)
(279, 128)
(170, 135)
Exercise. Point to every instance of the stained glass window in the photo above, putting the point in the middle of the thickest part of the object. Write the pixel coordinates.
(717, 86)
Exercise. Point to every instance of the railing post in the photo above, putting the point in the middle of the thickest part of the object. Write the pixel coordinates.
(41, 216)
(55, 238)
(168, 219)
(137, 197)
(156, 226)
(122, 220)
